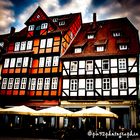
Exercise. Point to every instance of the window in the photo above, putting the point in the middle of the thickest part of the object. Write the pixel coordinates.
(49, 42)
(122, 63)
(61, 23)
(90, 36)
(25, 61)
(44, 25)
(19, 62)
(105, 64)
(89, 84)
(10, 83)
(29, 84)
(41, 61)
(37, 28)
(33, 84)
(74, 66)
(4, 83)
(122, 83)
(6, 63)
(31, 61)
(17, 82)
(23, 45)
(106, 83)
(123, 47)
(100, 48)
(23, 83)
(55, 60)
(48, 61)
(40, 84)
(77, 50)
(54, 83)
(29, 45)
(116, 34)
(42, 43)
(89, 65)
(1, 44)
(47, 83)
(31, 28)
(12, 63)
(17, 46)
(73, 85)
(55, 19)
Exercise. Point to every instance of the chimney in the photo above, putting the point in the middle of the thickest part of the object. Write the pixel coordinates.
(94, 20)
(12, 31)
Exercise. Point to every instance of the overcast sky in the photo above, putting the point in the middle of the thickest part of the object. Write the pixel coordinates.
(16, 12)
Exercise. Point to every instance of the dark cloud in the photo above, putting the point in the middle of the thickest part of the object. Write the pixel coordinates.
(63, 2)
(98, 3)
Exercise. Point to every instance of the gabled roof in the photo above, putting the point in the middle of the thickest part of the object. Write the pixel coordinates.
(103, 36)
(39, 15)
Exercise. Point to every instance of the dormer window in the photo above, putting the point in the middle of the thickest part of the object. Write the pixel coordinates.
(37, 28)
(31, 27)
(90, 36)
(55, 19)
(44, 25)
(61, 23)
(116, 34)
(1, 44)
(123, 46)
(77, 50)
(100, 48)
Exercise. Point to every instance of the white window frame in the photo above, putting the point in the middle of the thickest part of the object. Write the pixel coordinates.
(55, 60)
(44, 25)
(100, 48)
(17, 83)
(40, 84)
(12, 62)
(90, 36)
(116, 34)
(123, 46)
(41, 61)
(89, 65)
(106, 83)
(31, 27)
(43, 43)
(73, 84)
(10, 83)
(49, 42)
(6, 63)
(105, 64)
(23, 46)
(29, 45)
(54, 83)
(74, 65)
(47, 84)
(4, 83)
(122, 83)
(17, 46)
(77, 50)
(19, 61)
(25, 61)
(33, 84)
(23, 83)
(89, 84)
(2, 44)
(122, 63)
(61, 23)
(48, 61)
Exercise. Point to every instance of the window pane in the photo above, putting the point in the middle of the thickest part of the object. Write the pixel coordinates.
(106, 83)
(74, 65)
(23, 45)
(47, 84)
(105, 64)
(73, 85)
(123, 83)
(42, 43)
(4, 83)
(29, 45)
(55, 60)
(89, 65)
(48, 61)
(25, 61)
(54, 83)
(19, 62)
(6, 63)
(49, 42)
(89, 84)
(10, 83)
(12, 63)
(31, 28)
(40, 84)
(33, 84)
(41, 61)
(17, 46)
(44, 25)
(17, 82)
(122, 63)
(23, 83)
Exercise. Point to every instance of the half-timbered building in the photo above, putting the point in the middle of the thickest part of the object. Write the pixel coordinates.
(101, 68)
(31, 69)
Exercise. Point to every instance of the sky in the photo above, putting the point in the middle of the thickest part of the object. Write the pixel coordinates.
(16, 12)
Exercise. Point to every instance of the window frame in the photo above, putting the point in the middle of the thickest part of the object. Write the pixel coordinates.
(4, 83)
(48, 61)
(31, 27)
(73, 85)
(6, 62)
(54, 83)
(33, 84)
(16, 83)
(17, 46)
(100, 48)
(39, 83)
(12, 62)
(73, 67)
(106, 84)
(105, 64)
(122, 63)
(49, 43)
(123, 83)
(55, 60)
(10, 83)
(89, 84)
(19, 61)
(89, 67)
(47, 84)
(23, 83)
